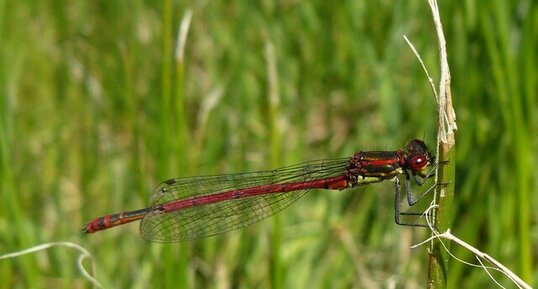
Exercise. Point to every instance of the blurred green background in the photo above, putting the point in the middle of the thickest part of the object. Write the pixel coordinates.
(96, 111)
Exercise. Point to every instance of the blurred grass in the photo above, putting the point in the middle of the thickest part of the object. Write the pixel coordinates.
(94, 113)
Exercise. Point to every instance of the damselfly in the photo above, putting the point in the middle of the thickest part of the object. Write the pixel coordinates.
(196, 207)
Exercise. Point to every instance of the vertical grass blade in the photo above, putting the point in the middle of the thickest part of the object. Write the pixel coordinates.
(174, 258)
(444, 195)
(273, 101)
(180, 145)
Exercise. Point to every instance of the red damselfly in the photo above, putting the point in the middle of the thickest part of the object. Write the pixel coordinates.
(196, 207)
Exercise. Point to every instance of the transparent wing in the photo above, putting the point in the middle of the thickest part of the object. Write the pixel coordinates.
(199, 221)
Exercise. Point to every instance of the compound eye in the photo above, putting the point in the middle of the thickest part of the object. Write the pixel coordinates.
(417, 162)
